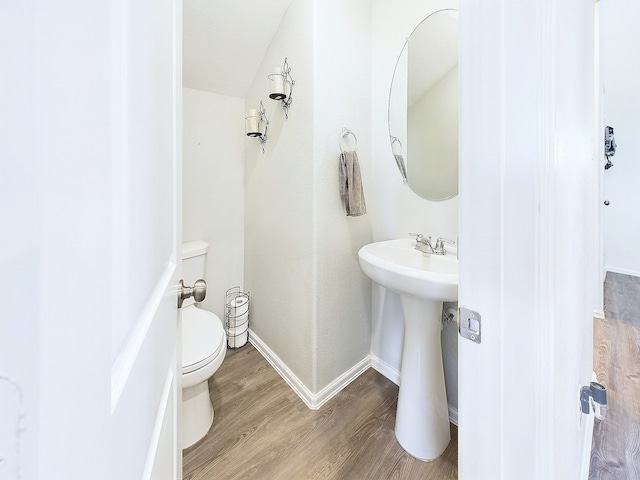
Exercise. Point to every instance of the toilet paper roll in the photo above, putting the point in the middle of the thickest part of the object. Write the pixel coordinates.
(238, 322)
(239, 306)
(237, 337)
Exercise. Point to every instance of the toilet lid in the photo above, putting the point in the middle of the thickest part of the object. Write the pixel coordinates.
(202, 338)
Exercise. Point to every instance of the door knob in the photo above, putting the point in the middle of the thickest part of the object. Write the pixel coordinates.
(198, 291)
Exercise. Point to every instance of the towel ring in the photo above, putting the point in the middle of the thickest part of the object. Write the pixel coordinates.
(345, 133)
(393, 141)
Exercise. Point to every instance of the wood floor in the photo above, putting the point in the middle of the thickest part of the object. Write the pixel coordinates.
(616, 439)
(262, 430)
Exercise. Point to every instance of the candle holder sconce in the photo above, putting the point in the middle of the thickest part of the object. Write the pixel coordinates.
(257, 124)
(282, 87)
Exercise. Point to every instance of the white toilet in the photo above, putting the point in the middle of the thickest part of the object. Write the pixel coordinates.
(203, 349)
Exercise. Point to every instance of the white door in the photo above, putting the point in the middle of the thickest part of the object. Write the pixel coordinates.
(620, 104)
(528, 258)
(91, 213)
(145, 380)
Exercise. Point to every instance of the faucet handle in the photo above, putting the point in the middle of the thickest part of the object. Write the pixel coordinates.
(440, 244)
(418, 236)
(441, 241)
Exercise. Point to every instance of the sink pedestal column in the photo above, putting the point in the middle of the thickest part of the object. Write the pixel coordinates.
(422, 418)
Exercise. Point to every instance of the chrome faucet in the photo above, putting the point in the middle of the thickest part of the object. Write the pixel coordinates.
(424, 244)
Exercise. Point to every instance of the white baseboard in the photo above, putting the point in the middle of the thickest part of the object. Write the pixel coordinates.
(385, 369)
(624, 271)
(313, 400)
(394, 375)
(453, 415)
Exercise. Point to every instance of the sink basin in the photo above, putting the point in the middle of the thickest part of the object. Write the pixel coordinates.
(397, 265)
(423, 282)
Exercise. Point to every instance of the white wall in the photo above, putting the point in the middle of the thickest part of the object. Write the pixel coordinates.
(279, 203)
(396, 209)
(620, 102)
(213, 187)
(310, 300)
(342, 98)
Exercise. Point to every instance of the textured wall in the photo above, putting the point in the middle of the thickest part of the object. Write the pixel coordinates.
(342, 98)
(213, 187)
(279, 203)
(310, 300)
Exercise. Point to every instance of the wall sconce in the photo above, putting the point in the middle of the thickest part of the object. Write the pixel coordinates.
(282, 86)
(257, 124)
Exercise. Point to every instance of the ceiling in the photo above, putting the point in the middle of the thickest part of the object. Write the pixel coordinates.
(224, 42)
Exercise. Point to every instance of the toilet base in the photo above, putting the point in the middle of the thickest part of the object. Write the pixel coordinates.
(197, 413)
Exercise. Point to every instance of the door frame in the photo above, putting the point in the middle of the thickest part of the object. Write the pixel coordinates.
(528, 201)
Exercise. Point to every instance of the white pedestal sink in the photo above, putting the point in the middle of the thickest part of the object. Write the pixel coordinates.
(423, 282)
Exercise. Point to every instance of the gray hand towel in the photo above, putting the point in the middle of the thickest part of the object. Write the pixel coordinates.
(351, 184)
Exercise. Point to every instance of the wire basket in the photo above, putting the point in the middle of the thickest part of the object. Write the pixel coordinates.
(236, 317)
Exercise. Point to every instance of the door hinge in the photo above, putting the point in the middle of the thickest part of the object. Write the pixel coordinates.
(594, 398)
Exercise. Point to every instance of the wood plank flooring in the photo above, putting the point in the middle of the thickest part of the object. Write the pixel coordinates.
(615, 454)
(262, 430)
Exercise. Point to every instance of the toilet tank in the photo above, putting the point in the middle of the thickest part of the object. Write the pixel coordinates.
(194, 263)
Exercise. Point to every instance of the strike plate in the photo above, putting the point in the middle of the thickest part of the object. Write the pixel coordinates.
(469, 324)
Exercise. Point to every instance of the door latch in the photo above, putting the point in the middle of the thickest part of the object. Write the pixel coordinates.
(469, 324)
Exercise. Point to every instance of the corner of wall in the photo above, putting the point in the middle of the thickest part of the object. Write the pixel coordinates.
(278, 203)
(342, 98)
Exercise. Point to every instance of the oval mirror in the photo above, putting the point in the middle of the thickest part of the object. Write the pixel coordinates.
(423, 107)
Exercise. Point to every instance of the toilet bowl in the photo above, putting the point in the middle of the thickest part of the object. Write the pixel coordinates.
(203, 350)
